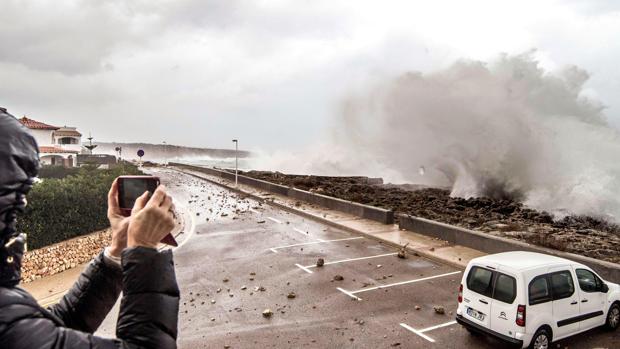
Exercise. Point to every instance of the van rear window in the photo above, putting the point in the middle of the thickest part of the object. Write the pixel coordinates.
(480, 280)
(505, 289)
(492, 284)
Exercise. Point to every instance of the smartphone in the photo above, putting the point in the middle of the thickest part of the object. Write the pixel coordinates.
(132, 187)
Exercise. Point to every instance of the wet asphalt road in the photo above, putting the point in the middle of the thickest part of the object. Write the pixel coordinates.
(229, 274)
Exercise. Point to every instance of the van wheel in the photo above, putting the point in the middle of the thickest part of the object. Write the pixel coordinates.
(613, 317)
(541, 340)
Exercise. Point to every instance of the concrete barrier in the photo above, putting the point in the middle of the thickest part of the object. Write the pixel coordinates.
(495, 244)
(354, 208)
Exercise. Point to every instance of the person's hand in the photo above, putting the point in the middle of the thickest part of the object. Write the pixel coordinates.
(151, 220)
(118, 222)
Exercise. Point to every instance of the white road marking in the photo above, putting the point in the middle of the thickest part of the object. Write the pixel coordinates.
(418, 332)
(353, 293)
(304, 268)
(314, 242)
(354, 259)
(421, 332)
(348, 293)
(253, 210)
(404, 282)
(275, 220)
(192, 230)
(273, 250)
(300, 231)
(450, 323)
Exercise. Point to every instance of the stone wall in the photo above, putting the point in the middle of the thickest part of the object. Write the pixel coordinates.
(65, 255)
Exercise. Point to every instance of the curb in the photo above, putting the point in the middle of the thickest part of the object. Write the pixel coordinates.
(328, 222)
(354, 208)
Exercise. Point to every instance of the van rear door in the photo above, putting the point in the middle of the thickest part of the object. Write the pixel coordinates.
(477, 294)
(504, 306)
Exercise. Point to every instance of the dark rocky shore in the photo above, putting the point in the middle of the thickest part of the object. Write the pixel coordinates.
(582, 235)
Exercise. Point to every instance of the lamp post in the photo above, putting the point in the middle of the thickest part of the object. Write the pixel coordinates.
(165, 153)
(236, 161)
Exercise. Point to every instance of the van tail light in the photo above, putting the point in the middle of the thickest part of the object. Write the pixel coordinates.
(460, 293)
(521, 315)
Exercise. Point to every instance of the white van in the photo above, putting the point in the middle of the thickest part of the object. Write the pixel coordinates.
(531, 299)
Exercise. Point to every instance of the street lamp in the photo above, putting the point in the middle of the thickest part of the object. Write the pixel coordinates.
(165, 153)
(236, 161)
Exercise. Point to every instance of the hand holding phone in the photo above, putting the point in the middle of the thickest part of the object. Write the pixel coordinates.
(138, 193)
(151, 219)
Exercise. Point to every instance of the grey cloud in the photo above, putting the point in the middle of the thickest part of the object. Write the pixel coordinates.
(78, 38)
(55, 36)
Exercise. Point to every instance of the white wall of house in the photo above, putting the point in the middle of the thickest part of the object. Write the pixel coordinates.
(43, 137)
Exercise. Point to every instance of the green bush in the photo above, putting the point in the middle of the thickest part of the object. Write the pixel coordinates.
(56, 171)
(60, 209)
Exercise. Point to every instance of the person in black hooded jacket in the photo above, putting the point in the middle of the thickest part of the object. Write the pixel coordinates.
(131, 264)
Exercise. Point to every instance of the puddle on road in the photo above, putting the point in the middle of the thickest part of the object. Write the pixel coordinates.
(420, 263)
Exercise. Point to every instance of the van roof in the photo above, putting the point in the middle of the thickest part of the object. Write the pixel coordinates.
(521, 260)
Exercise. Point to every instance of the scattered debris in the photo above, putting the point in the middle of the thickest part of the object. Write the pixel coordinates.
(417, 307)
(402, 253)
(320, 262)
(439, 309)
(338, 278)
(291, 295)
(267, 313)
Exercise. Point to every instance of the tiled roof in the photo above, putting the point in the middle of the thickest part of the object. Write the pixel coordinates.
(67, 132)
(47, 150)
(36, 125)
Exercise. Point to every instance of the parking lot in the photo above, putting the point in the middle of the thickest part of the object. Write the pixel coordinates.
(242, 258)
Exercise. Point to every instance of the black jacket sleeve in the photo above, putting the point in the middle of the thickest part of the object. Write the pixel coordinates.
(147, 318)
(150, 305)
(92, 296)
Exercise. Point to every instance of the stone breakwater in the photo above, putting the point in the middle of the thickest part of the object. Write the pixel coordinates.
(65, 255)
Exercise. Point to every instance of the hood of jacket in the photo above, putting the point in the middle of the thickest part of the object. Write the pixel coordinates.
(19, 165)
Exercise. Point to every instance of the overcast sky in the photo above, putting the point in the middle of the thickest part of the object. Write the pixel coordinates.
(271, 73)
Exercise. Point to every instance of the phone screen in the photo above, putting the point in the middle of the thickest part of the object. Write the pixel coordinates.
(132, 188)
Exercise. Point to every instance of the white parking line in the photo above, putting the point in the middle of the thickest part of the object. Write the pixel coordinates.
(275, 220)
(304, 268)
(418, 333)
(352, 293)
(354, 259)
(438, 326)
(300, 231)
(421, 332)
(349, 294)
(319, 241)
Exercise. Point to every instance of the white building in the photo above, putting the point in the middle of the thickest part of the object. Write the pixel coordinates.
(57, 145)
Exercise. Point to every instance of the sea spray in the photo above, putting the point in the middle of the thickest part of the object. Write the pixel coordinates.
(505, 129)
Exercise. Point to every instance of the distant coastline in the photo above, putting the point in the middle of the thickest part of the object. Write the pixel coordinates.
(170, 151)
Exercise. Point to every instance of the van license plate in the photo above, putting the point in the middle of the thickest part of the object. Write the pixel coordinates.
(475, 314)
